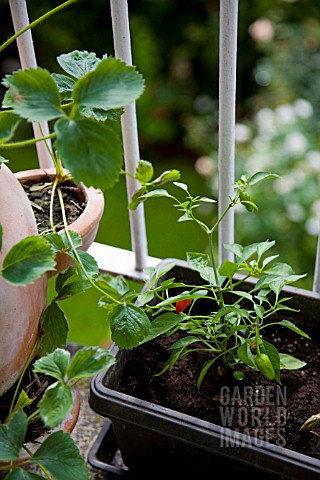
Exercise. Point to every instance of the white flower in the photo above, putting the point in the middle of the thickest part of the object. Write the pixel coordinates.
(295, 143)
(286, 114)
(261, 30)
(265, 119)
(315, 208)
(303, 108)
(295, 212)
(313, 159)
(256, 162)
(283, 185)
(205, 166)
(261, 143)
(242, 133)
(312, 226)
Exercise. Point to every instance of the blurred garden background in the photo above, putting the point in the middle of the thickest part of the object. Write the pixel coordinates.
(175, 45)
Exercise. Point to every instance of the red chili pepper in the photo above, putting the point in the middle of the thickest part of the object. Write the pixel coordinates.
(182, 305)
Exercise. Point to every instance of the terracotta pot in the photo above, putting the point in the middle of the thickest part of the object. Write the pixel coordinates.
(86, 224)
(20, 307)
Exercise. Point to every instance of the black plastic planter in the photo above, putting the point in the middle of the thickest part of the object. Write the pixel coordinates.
(157, 442)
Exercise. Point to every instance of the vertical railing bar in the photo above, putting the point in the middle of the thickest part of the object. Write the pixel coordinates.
(227, 102)
(316, 278)
(20, 18)
(122, 45)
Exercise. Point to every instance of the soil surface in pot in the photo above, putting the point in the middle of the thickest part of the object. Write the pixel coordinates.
(254, 406)
(39, 195)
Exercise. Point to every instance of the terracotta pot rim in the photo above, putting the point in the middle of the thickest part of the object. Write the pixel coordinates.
(94, 197)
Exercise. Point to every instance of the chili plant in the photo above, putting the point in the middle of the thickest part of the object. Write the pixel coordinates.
(233, 328)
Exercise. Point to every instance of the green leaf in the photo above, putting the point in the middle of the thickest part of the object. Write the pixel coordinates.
(60, 455)
(260, 176)
(98, 113)
(159, 192)
(183, 296)
(89, 361)
(144, 298)
(144, 171)
(184, 342)
(21, 474)
(241, 294)
(164, 268)
(56, 242)
(274, 357)
(35, 94)
(63, 277)
(112, 84)
(207, 200)
(91, 151)
(55, 327)
(290, 363)
(78, 63)
(7, 99)
(263, 247)
(285, 271)
(293, 327)
(245, 355)
(27, 260)
(228, 269)
(234, 248)
(65, 85)
(137, 198)
(75, 238)
(197, 261)
(162, 324)
(129, 325)
(88, 261)
(259, 310)
(22, 402)
(167, 176)
(225, 310)
(73, 288)
(12, 436)
(186, 217)
(55, 404)
(117, 283)
(249, 205)
(54, 364)
(204, 369)
(183, 186)
(8, 125)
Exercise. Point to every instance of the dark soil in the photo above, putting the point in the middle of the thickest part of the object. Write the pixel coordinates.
(40, 194)
(260, 408)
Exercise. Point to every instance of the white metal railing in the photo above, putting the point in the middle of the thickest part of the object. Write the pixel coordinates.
(122, 46)
(131, 263)
(27, 57)
(227, 102)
